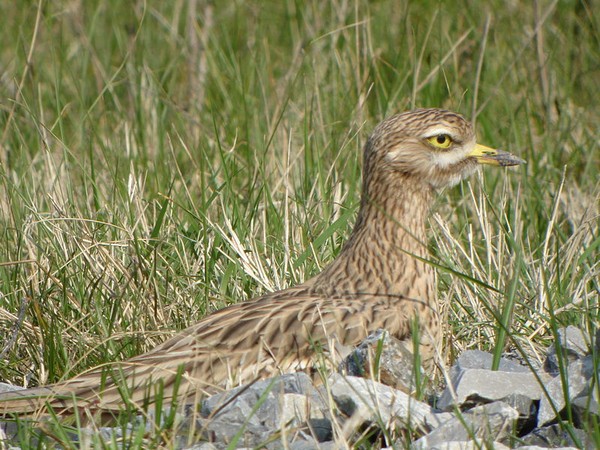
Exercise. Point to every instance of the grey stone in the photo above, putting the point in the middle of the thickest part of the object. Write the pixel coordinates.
(477, 359)
(151, 419)
(489, 422)
(304, 445)
(202, 446)
(523, 404)
(255, 412)
(368, 401)
(523, 360)
(467, 445)
(473, 386)
(88, 437)
(312, 445)
(579, 374)
(587, 401)
(535, 447)
(392, 358)
(107, 434)
(316, 433)
(436, 419)
(575, 340)
(574, 344)
(586, 404)
(91, 437)
(8, 431)
(291, 383)
(320, 429)
(554, 436)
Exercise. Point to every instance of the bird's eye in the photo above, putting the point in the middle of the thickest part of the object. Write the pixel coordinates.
(440, 140)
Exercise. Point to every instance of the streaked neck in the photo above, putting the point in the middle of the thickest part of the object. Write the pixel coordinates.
(388, 239)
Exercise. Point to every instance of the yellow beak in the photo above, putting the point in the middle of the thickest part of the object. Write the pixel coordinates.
(494, 157)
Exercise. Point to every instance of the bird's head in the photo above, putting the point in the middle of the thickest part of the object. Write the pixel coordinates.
(432, 146)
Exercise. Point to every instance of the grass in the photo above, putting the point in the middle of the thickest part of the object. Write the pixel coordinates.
(159, 160)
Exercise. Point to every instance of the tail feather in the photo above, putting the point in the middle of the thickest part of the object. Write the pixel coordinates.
(107, 389)
(74, 393)
(24, 400)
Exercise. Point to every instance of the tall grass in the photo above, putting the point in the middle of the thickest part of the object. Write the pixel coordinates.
(159, 160)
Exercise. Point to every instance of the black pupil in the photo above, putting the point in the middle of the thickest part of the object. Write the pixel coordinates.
(442, 138)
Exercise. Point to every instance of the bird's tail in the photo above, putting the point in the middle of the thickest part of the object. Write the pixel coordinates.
(36, 401)
(120, 387)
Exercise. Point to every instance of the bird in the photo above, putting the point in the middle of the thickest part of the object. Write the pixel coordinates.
(381, 279)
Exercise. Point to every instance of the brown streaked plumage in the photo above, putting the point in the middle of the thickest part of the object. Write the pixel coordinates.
(379, 280)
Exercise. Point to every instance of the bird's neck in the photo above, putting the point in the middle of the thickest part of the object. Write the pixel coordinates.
(382, 256)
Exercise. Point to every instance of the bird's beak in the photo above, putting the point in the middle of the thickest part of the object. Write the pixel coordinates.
(494, 157)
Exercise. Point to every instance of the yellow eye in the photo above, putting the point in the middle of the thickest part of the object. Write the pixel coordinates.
(440, 141)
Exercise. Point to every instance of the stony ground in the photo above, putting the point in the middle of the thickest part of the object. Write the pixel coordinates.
(516, 406)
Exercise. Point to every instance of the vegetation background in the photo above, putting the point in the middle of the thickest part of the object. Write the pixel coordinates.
(159, 160)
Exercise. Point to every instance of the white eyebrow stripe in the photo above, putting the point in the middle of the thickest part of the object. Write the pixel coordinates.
(437, 131)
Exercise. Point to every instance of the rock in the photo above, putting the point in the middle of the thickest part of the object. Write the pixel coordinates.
(367, 401)
(585, 404)
(437, 418)
(535, 447)
(289, 412)
(554, 436)
(574, 345)
(489, 422)
(477, 359)
(291, 383)
(478, 385)
(320, 429)
(8, 432)
(473, 382)
(312, 445)
(384, 358)
(526, 407)
(316, 433)
(467, 445)
(579, 374)
(202, 446)
(256, 412)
